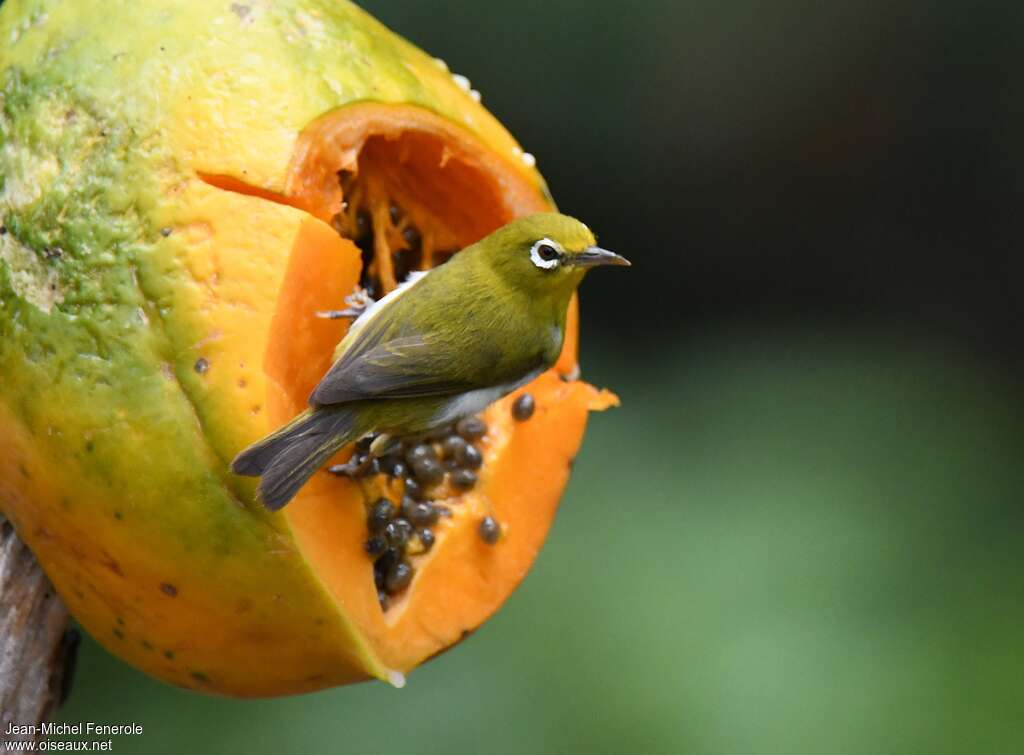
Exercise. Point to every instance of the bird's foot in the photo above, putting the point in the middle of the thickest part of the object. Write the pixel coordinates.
(358, 302)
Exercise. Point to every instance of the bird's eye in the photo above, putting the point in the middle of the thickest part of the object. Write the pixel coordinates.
(546, 254)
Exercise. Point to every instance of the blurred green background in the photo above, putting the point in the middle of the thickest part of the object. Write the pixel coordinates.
(802, 532)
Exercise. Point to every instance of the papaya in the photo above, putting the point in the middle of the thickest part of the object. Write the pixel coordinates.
(186, 186)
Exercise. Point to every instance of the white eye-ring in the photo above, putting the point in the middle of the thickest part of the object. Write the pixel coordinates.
(546, 254)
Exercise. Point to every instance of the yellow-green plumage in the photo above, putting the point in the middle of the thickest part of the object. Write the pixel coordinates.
(443, 346)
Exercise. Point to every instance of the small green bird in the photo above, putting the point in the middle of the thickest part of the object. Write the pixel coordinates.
(444, 345)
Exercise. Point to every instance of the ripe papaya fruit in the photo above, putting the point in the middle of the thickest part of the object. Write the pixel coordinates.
(185, 185)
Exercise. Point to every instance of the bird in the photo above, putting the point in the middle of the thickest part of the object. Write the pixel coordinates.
(442, 346)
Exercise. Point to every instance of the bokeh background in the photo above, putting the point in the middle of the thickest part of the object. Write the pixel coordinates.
(802, 532)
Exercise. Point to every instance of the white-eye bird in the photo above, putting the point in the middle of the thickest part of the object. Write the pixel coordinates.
(442, 346)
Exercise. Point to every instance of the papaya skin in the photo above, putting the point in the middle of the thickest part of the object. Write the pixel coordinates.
(166, 239)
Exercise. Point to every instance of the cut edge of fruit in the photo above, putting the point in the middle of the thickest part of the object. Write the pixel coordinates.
(452, 190)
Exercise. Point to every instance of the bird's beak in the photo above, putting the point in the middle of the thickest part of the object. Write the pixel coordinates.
(595, 255)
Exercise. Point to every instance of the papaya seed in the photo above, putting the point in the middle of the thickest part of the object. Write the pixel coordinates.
(428, 471)
(470, 457)
(381, 514)
(452, 445)
(397, 532)
(375, 546)
(463, 479)
(490, 530)
(420, 452)
(523, 407)
(471, 428)
(426, 538)
(398, 577)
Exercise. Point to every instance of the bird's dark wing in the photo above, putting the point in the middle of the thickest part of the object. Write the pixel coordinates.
(390, 357)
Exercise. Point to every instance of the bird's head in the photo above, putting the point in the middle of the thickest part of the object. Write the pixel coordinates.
(545, 253)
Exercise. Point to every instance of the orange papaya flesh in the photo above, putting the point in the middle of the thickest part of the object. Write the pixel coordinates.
(172, 224)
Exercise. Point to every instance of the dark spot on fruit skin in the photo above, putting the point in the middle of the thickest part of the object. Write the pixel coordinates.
(523, 407)
(201, 366)
(165, 232)
(24, 472)
(168, 589)
(118, 515)
(89, 446)
(572, 462)
(120, 621)
(3, 230)
(118, 634)
(199, 676)
(147, 645)
(169, 655)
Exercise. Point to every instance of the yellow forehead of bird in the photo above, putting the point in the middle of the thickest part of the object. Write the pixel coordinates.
(566, 233)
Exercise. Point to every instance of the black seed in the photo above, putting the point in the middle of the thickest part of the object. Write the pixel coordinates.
(395, 213)
(418, 512)
(398, 532)
(443, 511)
(419, 452)
(427, 538)
(393, 466)
(383, 598)
(428, 471)
(470, 457)
(450, 465)
(471, 428)
(201, 365)
(382, 564)
(464, 479)
(413, 489)
(523, 407)
(398, 577)
(364, 443)
(165, 232)
(168, 589)
(375, 546)
(490, 530)
(383, 511)
(452, 445)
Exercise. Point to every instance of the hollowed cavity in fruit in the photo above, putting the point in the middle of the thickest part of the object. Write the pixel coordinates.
(404, 190)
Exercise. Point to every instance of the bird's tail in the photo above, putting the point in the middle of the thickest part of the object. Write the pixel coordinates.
(291, 455)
